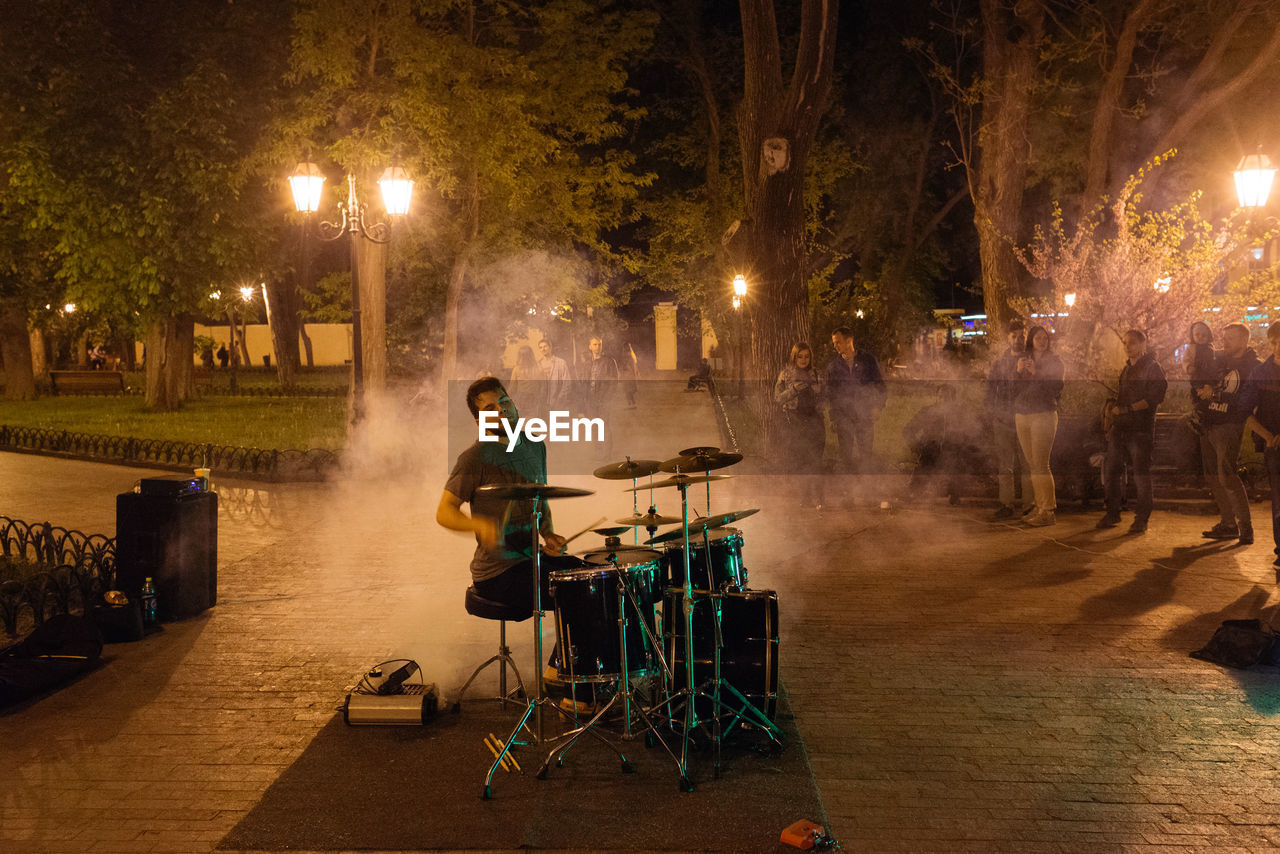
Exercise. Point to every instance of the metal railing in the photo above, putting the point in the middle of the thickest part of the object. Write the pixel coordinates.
(75, 570)
(268, 464)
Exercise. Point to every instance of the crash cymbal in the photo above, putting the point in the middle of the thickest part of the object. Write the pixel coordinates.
(700, 451)
(700, 462)
(649, 520)
(627, 469)
(517, 491)
(702, 523)
(678, 480)
(614, 531)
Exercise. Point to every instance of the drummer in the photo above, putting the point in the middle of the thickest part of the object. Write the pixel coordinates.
(502, 566)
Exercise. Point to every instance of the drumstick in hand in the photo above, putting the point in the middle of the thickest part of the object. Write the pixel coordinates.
(584, 530)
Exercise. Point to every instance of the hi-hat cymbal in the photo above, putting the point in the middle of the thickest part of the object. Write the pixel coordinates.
(627, 469)
(517, 491)
(620, 556)
(613, 531)
(679, 480)
(702, 523)
(700, 462)
(649, 520)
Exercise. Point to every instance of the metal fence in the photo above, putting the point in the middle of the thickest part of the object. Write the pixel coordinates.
(276, 465)
(75, 570)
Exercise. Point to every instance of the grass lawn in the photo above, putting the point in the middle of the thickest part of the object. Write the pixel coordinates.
(280, 423)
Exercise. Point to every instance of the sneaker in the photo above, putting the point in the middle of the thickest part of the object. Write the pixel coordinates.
(1110, 520)
(1030, 508)
(582, 708)
(1246, 538)
(1041, 519)
(1005, 512)
(1221, 531)
(1139, 526)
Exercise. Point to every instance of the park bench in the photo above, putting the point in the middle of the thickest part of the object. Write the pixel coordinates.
(87, 382)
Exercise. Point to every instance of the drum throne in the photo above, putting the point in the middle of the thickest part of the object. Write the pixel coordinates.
(487, 609)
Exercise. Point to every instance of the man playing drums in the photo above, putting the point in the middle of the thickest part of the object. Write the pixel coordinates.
(502, 567)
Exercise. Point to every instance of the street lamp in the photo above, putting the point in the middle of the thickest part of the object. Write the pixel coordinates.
(1254, 175)
(397, 191)
(1070, 300)
(739, 298)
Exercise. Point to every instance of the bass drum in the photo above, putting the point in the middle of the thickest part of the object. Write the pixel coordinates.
(726, 560)
(587, 627)
(749, 623)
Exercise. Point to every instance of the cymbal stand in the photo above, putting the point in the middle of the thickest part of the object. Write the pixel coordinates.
(625, 596)
(535, 704)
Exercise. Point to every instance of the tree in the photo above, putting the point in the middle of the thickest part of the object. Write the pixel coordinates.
(777, 125)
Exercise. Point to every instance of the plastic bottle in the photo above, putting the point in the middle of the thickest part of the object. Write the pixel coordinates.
(148, 603)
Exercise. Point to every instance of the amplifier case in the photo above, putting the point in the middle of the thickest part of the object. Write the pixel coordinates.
(174, 540)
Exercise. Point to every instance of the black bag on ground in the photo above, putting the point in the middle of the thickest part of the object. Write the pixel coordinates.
(1239, 643)
(60, 648)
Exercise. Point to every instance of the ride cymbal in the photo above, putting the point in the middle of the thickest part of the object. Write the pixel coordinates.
(702, 523)
(679, 480)
(518, 491)
(628, 469)
(701, 462)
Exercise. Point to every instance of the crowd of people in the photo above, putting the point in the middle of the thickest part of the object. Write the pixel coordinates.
(1234, 396)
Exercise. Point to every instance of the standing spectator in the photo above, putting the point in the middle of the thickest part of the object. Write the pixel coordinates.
(1039, 372)
(855, 394)
(556, 372)
(223, 355)
(1201, 364)
(1132, 435)
(1223, 421)
(598, 378)
(1261, 399)
(527, 382)
(1002, 387)
(797, 393)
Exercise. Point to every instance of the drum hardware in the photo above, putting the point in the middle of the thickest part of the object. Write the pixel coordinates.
(537, 493)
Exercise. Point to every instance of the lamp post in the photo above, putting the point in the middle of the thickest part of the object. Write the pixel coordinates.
(739, 297)
(397, 191)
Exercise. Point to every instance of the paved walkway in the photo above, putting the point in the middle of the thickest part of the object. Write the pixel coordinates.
(960, 685)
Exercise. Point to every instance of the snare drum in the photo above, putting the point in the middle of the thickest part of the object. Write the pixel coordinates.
(645, 574)
(749, 661)
(586, 602)
(726, 560)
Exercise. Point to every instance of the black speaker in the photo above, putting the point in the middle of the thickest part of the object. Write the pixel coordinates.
(174, 540)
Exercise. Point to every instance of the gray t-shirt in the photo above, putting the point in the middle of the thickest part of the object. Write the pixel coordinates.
(488, 463)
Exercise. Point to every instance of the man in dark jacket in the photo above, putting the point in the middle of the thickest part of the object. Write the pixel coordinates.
(1223, 429)
(1261, 399)
(1133, 425)
(855, 395)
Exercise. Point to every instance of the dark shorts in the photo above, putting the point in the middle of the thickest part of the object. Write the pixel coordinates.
(514, 587)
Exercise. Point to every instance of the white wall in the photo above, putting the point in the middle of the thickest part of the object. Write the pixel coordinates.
(330, 342)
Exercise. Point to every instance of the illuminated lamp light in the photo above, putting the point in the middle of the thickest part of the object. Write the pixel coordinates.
(1070, 300)
(1254, 175)
(397, 190)
(306, 183)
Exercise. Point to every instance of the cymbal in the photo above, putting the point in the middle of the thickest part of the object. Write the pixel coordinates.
(678, 480)
(517, 491)
(627, 469)
(701, 462)
(700, 451)
(613, 531)
(649, 520)
(702, 523)
(621, 555)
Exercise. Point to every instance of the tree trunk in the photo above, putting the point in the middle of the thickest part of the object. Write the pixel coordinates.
(1011, 46)
(15, 351)
(170, 344)
(372, 258)
(458, 278)
(776, 128)
(39, 353)
(306, 344)
(128, 352)
(282, 317)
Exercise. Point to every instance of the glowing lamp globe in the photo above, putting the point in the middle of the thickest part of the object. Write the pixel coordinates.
(1070, 300)
(740, 285)
(397, 190)
(306, 182)
(1254, 175)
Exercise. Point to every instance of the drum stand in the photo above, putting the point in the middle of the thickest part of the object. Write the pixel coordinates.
(689, 693)
(625, 595)
(539, 699)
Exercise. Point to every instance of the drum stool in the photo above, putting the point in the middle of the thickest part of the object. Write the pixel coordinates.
(487, 609)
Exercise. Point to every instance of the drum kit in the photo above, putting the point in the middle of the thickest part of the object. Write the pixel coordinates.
(665, 629)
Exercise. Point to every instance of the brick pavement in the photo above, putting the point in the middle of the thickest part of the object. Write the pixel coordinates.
(960, 685)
